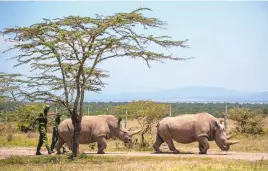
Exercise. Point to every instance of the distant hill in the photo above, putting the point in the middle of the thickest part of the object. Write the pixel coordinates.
(186, 94)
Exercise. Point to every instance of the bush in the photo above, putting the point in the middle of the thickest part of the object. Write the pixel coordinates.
(92, 146)
(23, 127)
(147, 113)
(27, 115)
(247, 121)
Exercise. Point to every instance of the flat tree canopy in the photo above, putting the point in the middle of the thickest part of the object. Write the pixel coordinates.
(65, 53)
(10, 87)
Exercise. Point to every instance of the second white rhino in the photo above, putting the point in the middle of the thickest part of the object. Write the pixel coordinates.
(188, 128)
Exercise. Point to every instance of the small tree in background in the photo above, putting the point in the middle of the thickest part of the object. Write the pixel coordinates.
(147, 113)
(11, 87)
(247, 121)
(65, 54)
(265, 111)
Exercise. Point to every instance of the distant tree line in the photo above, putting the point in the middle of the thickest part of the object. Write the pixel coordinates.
(216, 109)
(98, 108)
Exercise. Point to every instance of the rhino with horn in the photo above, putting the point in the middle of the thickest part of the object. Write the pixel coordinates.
(188, 128)
(94, 129)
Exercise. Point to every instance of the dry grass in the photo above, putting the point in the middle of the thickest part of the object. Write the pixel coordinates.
(105, 163)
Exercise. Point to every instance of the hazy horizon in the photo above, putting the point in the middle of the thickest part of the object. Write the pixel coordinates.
(228, 40)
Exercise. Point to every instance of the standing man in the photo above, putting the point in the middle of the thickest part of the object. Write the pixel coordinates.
(42, 131)
(55, 132)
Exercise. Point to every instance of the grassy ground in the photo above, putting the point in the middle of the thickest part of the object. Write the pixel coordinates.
(248, 143)
(103, 163)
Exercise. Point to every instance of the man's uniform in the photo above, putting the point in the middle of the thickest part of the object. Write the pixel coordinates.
(55, 132)
(42, 131)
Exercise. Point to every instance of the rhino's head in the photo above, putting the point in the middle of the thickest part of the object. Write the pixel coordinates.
(221, 139)
(124, 134)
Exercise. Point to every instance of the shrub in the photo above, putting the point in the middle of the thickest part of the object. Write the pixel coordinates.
(9, 137)
(23, 127)
(147, 113)
(247, 121)
(92, 146)
(27, 115)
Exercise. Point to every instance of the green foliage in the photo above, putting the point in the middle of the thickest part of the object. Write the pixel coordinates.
(7, 109)
(248, 121)
(10, 87)
(23, 127)
(2, 99)
(92, 146)
(147, 113)
(28, 114)
(265, 111)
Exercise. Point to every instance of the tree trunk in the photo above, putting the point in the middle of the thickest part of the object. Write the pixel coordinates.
(143, 143)
(142, 140)
(76, 120)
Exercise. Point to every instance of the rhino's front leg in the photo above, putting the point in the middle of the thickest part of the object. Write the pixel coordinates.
(172, 147)
(203, 145)
(102, 144)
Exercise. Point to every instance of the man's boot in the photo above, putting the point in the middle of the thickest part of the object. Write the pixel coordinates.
(38, 152)
(52, 149)
(48, 150)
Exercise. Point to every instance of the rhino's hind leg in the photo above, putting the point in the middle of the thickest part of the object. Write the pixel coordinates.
(59, 145)
(102, 144)
(172, 147)
(203, 145)
(158, 143)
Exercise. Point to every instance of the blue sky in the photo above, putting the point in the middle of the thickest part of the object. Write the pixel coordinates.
(228, 40)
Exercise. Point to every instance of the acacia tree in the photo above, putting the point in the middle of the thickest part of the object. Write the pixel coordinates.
(11, 87)
(65, 53)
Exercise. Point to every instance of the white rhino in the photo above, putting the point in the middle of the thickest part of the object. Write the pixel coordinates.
(94, 129)
(188, 128)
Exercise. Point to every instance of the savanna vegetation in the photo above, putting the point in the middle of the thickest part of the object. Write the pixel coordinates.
(143, 117)
(73, 47)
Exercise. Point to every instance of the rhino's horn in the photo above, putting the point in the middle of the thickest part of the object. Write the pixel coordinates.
(229, 137)
(129, 128)
(232, 142)
(135, 132)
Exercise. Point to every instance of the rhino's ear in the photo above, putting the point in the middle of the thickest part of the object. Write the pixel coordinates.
(119, 120)
(217, 126)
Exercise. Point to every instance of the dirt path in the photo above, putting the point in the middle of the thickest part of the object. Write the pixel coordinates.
(27, 151)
